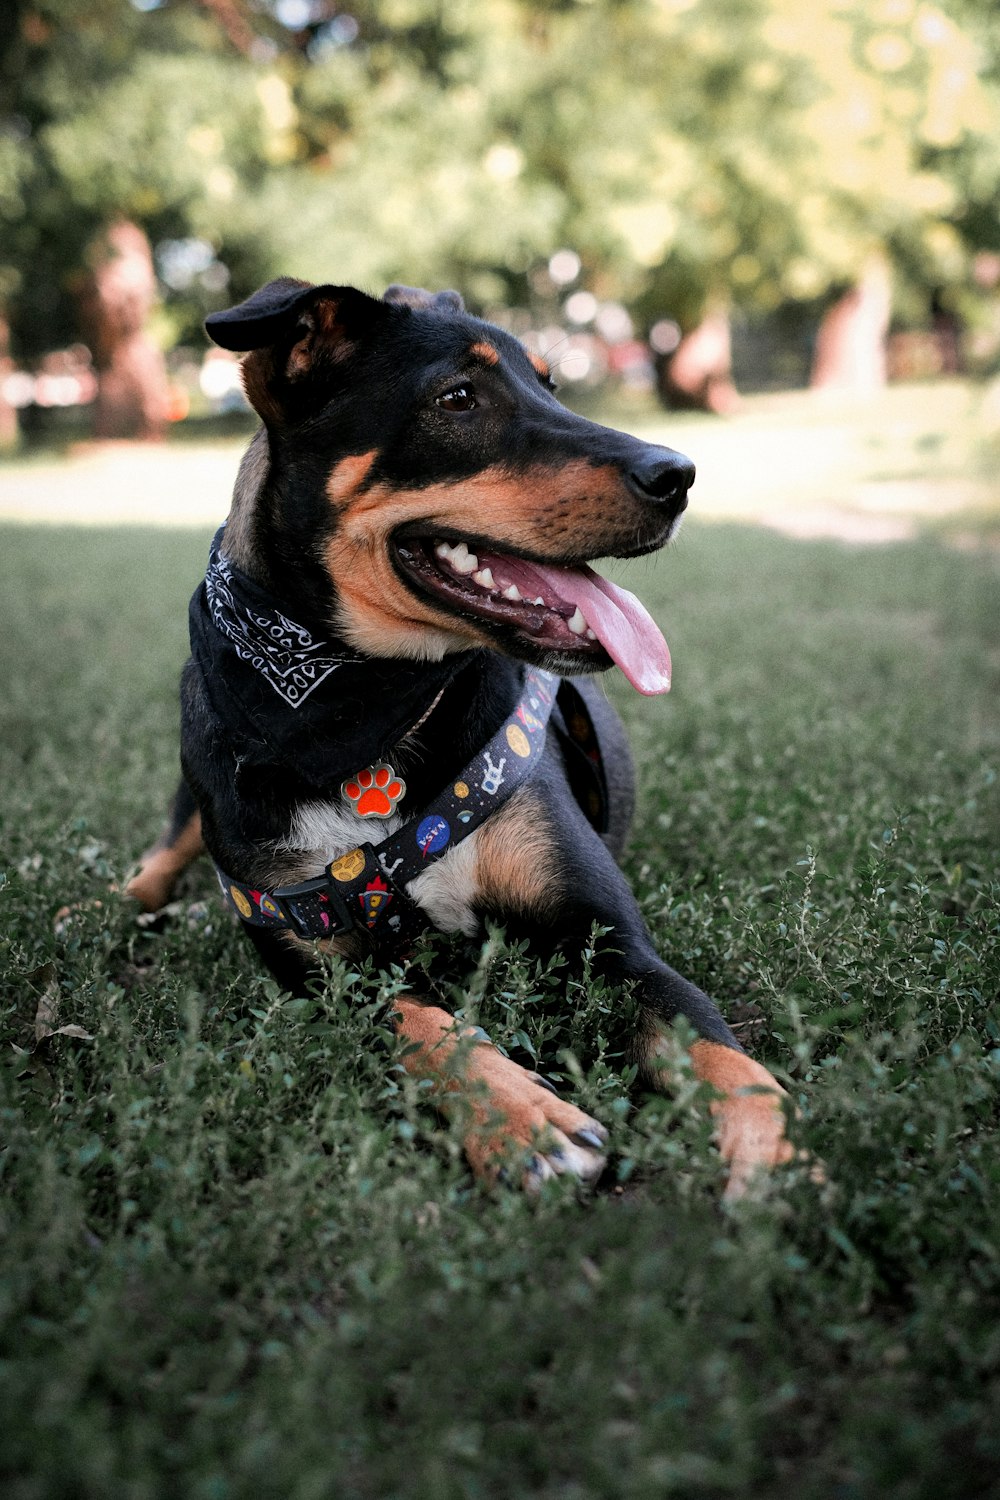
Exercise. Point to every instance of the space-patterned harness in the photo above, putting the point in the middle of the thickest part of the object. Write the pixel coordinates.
(366, 889)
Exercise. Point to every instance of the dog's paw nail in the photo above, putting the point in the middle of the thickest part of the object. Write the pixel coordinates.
(536, 1172)
(545, 1083)
(596, 1137)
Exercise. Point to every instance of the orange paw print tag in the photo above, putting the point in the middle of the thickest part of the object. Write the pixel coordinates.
(375, 791)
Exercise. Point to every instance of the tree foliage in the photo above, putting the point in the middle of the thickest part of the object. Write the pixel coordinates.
(757, 150)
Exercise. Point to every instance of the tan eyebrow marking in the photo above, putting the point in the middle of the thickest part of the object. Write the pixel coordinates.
(485, 352)
(540, 366)
(348, 475)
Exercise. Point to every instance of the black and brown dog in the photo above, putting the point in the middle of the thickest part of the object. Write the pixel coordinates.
(411, 525)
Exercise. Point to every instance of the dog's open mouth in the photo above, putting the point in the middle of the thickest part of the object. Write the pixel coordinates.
(571, 612)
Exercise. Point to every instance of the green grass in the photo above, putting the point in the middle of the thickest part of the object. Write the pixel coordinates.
(242, 1258)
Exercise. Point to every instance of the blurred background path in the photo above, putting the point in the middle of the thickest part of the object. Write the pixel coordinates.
(911, 458)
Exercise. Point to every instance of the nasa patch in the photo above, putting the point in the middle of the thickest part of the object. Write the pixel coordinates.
(433, 834)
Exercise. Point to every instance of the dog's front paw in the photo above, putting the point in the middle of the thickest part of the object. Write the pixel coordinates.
(519, 1126)
(375, 791)
(159, 868)
(512, 1121)
(752, 1140)
(749, 1113)
(152, 886)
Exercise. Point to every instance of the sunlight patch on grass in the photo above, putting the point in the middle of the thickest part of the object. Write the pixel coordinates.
(880, 470)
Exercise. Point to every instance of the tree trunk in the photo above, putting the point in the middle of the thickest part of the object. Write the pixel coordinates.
(116, 297)
(850, 352)
(699, 374)
(9, 431)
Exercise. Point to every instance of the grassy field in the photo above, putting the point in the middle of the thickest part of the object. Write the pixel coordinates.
(241, 1258)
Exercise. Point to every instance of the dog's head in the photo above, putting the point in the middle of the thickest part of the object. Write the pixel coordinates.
(419, 458)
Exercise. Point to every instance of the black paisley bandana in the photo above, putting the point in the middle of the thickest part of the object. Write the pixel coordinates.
(291, 692)
(288, 657)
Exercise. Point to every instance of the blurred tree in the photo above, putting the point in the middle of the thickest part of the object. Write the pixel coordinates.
(697, 154)
(921, 165)
(117, 127)
(759, 151)
(116, 296)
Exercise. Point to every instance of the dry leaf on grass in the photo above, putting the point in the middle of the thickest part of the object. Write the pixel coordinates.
(47, 1009)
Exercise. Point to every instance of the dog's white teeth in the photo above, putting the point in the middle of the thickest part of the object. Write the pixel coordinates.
(460, 558)
(484, 578)
(513, 593)
(576, 622)
(539, 600)
(590, 635)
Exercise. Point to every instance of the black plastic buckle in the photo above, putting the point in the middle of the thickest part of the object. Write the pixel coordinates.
(315, 908)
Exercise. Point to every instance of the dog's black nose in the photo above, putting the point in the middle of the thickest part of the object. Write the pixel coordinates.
(664, 477)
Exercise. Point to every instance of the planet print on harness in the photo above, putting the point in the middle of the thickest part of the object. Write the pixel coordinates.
(240, 902)
(348, 866)
(518, 741)
(461, 791)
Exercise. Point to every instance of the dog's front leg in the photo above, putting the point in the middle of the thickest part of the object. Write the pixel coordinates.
(511, 1119)
(159, 868)
(748, 1104)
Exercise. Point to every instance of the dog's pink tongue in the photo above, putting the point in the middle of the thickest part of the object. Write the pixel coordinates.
(624, 627)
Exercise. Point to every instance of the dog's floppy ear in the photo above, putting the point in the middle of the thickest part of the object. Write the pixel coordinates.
(292, 334)
(415, 296)
(262, 318)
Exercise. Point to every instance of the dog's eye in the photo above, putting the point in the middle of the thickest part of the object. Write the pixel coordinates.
(460, 399)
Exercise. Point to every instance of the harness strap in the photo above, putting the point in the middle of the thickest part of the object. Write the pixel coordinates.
(581, 752)
(366, 888)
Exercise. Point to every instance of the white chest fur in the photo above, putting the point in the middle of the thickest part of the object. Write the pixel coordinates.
(322, 831)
